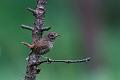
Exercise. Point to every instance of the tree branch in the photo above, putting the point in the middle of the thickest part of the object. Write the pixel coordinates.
(46, 29)
(37, 32)
(39, 20)
(27, 27)
(65, 61)
(31, 10)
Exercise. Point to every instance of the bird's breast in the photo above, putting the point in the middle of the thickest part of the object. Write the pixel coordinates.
(50, 44)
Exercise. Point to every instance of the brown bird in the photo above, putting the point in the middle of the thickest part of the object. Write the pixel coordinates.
(43, 45)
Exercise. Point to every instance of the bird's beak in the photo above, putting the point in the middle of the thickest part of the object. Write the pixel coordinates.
(58, 35)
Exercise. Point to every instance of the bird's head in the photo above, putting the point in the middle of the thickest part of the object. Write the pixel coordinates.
(52, 36)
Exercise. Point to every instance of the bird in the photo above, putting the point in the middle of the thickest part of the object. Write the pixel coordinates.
(43, 45)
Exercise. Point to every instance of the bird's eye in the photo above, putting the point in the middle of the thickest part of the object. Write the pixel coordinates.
(51, 36)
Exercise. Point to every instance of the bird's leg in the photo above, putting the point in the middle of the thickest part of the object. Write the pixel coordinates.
(28, 45)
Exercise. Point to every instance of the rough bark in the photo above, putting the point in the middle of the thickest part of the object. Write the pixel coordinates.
(37, 31)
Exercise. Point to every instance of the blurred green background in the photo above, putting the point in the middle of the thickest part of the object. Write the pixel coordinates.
(62, 15)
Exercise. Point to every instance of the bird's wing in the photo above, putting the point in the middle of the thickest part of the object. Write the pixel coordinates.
(43, 44)
(44, 47)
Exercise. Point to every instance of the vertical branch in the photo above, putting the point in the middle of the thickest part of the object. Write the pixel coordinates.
(39, 14)
(37, 31)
